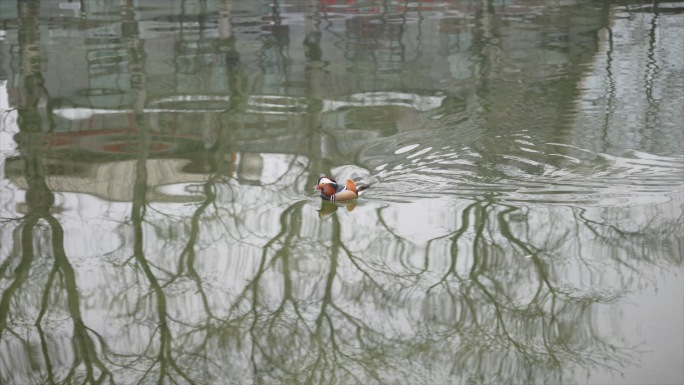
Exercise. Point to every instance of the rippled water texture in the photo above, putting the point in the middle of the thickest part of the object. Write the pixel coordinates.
(523, 224)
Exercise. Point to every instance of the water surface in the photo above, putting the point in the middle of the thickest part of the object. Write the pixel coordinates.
(523, 225)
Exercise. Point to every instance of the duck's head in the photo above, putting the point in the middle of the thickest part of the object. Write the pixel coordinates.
(328, 186)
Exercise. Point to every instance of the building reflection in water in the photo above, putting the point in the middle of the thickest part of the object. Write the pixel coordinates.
(157, 224)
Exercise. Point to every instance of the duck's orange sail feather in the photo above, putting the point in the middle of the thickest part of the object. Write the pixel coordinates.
(351, 185)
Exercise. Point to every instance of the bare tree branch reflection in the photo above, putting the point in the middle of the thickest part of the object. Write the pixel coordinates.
(243, 282)
(37, 243)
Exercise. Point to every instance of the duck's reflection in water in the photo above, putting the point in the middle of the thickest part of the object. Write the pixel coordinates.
(329, 208)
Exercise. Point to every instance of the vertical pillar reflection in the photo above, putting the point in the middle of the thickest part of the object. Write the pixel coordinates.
(34, 102)
(315, 65)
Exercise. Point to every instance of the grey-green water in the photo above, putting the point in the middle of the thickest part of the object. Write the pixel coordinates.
(523, 226)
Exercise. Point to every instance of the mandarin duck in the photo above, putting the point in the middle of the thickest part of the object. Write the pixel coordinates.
(332, 191)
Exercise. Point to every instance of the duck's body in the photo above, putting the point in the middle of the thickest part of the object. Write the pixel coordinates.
(332, 191)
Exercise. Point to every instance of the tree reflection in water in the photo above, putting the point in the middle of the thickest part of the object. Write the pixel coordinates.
(216, 291)
(40, 305)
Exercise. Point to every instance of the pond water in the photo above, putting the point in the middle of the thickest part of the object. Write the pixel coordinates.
(523, 224)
